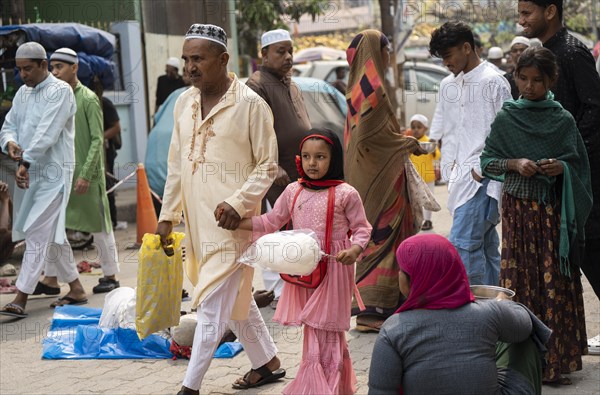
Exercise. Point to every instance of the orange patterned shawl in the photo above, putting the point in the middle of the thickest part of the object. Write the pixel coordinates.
(376, 153)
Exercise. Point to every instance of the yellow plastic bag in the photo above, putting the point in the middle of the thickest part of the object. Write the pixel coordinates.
(159, 284)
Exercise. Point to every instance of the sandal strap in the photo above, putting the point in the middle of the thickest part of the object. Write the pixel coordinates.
(264, 371)
(14, 306)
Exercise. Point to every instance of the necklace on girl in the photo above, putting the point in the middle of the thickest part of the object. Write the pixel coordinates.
(312, 195)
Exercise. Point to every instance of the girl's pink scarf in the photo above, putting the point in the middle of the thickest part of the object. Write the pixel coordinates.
(438, 279)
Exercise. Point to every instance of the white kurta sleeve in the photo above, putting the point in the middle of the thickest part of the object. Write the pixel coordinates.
(60, 106)
(436, 131)
(171, 206)
(264, 152)
(497, 92)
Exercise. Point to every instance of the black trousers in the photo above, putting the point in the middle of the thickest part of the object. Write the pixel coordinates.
(111, 154)
(591, 264)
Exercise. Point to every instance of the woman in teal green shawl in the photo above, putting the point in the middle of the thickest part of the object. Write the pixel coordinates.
(536, 150)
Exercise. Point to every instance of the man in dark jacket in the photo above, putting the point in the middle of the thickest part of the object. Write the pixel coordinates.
(169, 82)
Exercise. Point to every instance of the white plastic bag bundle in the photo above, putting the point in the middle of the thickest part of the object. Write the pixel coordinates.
(295, 252)
(119, 309)
(183, 334)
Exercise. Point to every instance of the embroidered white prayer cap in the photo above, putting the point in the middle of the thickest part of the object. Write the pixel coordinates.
(520, 40)
(208, 32)
(173, 62)
(274, 36)
(65, 55)
(30, 50)
(420, 118)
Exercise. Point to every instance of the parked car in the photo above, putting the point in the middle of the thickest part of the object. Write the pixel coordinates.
(326, 107)
(421, 88)
(421, 82)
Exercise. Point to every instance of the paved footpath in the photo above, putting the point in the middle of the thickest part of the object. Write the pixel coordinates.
(22, 371)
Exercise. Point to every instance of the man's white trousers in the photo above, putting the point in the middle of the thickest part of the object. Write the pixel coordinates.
(214, 318)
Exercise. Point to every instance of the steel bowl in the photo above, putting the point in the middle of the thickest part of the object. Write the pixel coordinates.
(490, 291)
(428, 146)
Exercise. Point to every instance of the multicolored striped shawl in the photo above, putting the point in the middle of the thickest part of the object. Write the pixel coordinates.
(376, 153)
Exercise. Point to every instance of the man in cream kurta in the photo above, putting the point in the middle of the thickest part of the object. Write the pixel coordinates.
(222, 161)
(39, 133)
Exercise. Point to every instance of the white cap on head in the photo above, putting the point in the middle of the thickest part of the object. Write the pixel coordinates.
(420, 118)
(495, 53)
(66, 55)
(274, 36)
(173, 62)
(535, 42)
(209, 32)
(31, 50)
(520, 40)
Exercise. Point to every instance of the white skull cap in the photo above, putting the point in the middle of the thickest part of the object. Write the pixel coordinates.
(520, 40)
(30, 50)
(274, 36)
(173, 62)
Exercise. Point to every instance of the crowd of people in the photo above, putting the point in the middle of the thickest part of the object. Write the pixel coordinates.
(519, 148)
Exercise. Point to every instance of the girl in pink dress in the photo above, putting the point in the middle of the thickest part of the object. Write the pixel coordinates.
(326, 367)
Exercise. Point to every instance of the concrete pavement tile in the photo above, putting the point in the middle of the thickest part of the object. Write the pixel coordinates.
(267, 389)
(362, 365)
(142, 385)
(150, 387)
(224, 381)
(9, 391)
(105, 386)
(168, 388)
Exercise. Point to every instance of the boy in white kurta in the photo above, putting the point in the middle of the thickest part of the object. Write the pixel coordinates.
(222, 161)
(469, 100)
(39, 133)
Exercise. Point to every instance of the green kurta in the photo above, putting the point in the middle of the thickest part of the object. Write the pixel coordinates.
(89, 212)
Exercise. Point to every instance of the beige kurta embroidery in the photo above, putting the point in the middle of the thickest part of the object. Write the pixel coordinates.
(199, 157)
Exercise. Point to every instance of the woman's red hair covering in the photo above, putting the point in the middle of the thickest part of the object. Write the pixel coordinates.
(438, 279)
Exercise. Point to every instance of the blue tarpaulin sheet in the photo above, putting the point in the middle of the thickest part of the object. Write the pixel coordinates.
(75, 334)
(79, 38)
(95, 48)
(228, 350)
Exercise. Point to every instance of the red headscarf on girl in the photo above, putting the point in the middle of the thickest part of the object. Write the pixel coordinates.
(438, 279)
(335, 173)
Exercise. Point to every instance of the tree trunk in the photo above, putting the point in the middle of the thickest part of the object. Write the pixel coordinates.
(387, 22)
(387, 27)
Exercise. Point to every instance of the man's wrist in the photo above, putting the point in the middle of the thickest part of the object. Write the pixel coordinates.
(24, 163)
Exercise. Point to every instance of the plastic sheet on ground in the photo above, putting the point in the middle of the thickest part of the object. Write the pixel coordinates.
(228, 350)
(75, 334)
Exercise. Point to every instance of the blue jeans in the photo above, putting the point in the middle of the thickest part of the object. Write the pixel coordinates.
(474, 235)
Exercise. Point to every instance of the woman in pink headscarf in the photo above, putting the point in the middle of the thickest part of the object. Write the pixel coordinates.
(443, 341)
